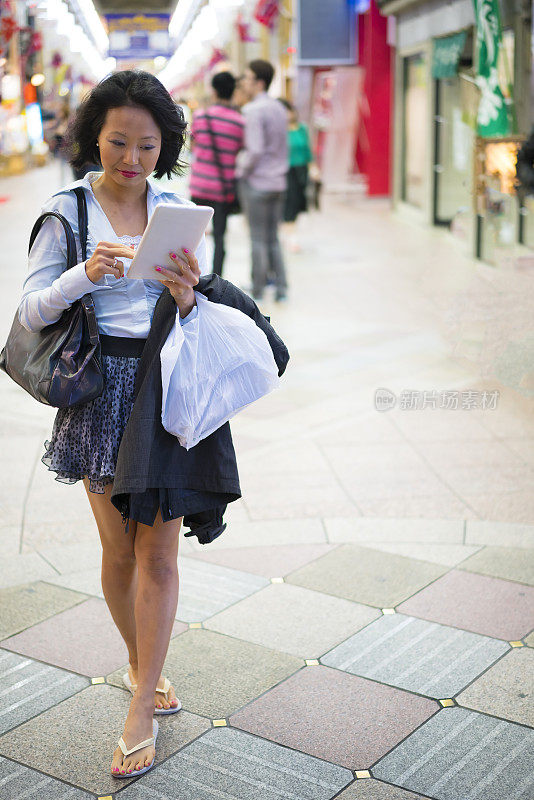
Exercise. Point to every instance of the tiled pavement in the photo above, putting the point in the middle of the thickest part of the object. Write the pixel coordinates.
(364, 628)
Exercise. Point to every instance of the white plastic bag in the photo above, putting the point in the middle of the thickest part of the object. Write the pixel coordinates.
(211, 368)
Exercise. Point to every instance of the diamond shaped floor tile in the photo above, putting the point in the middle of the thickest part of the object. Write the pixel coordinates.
(512, 534)
(17, 782)
(476, 603)
(207, 588)
(74, 741)
(507, 689)
(332, 715)
(366, 575)
(25, 605)
(376, 790)
(228, 763)
(86, 581)
(214, 675)
(83, 639)
(462, 755)
(28, 688)
(510, 563)
(266, 560)
(293, 619)
(368, 530)
(447, 554)
(416, 655)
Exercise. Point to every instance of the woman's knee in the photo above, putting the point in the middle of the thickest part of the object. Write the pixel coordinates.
(157, 563)
(119, 557)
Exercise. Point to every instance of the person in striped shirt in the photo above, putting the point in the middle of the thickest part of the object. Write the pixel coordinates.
(217, 134)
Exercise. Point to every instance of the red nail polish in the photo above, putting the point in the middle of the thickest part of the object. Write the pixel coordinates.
(186, 250)
(173, 255)
(158, 269)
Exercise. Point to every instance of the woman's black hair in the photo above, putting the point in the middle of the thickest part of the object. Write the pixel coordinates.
(128, 88)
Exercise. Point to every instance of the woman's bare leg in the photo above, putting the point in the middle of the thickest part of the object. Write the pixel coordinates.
(120, 583)
(156, 552)
(119, 567)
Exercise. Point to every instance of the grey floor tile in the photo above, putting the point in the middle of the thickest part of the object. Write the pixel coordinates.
(208, 588)
(499, 533)
(507, 689)
(30, 687)
(23, 606)
(447, 554)
(462, 755)
(228, 763)
(213, 675)
(413, 654)
(293, 619)
(74, 741)
(370, 789)
(17, 569)
(86, 581)
(375, 529)
(510, 563)
(366, 575)
(18, 782)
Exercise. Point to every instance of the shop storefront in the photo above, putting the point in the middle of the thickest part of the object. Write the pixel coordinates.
(443, 173)
(47, 63)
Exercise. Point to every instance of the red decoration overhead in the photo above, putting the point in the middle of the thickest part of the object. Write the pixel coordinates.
(243, 29)
(8, 25)
(266, 12)
(217, 55)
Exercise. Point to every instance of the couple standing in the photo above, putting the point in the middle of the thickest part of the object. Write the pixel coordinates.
(253, 146)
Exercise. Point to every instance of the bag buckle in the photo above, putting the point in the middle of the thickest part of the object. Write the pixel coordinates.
(92, 325)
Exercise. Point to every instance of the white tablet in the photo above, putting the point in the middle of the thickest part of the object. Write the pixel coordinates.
(170, 229)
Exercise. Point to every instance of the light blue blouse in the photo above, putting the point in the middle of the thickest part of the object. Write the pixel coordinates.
(123, 307)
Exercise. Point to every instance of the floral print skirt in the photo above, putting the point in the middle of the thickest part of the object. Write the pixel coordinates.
(85, 443)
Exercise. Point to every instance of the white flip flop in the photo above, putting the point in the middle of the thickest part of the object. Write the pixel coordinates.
(166, 686)
(126, 752)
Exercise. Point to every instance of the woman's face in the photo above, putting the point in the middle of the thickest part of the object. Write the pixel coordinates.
(129, 145)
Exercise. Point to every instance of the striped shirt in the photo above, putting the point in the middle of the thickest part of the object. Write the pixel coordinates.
(227, 126)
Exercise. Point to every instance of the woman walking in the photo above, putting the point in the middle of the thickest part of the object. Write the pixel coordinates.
(130, 124)
(300, 156)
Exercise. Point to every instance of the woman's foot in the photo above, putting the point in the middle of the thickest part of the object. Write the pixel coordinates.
(160, 700)
(137, 728)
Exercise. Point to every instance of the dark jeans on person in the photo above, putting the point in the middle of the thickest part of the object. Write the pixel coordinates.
(220, 217)
(264, 213)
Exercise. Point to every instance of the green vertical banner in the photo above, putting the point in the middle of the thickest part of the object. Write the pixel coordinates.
(492, 112)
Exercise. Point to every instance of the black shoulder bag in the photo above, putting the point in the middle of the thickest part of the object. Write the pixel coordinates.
(60, 364)
(229, 187)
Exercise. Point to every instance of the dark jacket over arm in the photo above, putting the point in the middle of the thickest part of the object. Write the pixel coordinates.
(149, 456)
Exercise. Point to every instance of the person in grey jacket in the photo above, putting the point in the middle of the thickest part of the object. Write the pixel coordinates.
(261, 168)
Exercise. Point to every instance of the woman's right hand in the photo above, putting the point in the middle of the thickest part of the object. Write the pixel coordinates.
(105, 260)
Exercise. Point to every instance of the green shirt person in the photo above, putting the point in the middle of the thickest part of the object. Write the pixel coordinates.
(300, 156)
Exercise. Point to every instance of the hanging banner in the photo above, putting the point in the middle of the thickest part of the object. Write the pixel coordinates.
(446, 54)
(492, 112)
(139, 36)
(266, 12)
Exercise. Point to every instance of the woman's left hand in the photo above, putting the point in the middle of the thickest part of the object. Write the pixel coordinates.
(181, 283)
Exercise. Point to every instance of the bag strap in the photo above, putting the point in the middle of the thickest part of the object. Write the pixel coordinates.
(217, 156)
(86, 301)
(71, 241)
(82, 219)
(72, 255)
